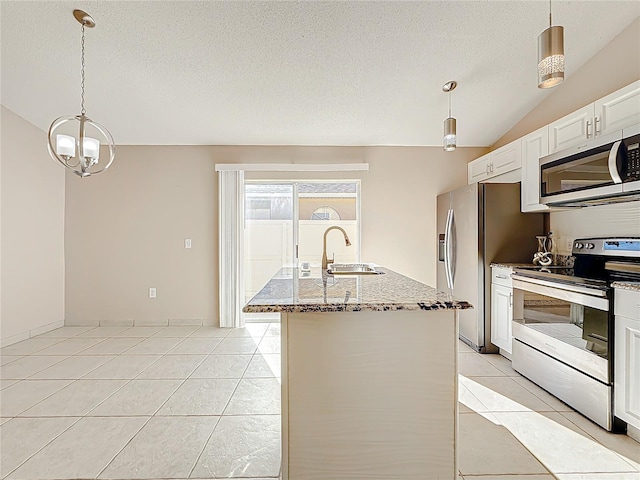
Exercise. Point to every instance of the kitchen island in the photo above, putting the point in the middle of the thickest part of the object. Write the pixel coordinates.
(369, 375)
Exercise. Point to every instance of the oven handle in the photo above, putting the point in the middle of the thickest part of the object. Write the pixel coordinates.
(575, 295)
(622, 267)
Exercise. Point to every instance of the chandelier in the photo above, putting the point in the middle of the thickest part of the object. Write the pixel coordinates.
(77, 133)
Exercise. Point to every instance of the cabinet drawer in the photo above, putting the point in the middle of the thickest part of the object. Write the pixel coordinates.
(501, 276)
(627, 303)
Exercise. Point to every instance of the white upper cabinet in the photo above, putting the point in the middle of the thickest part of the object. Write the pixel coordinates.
(505, 159)
(534, 146)
(479, 169)
(613, 112)
(618, 110)
(571, 130)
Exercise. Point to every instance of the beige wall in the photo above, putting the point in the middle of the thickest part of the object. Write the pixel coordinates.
(32, 232)
(613, 67)
(125, 229)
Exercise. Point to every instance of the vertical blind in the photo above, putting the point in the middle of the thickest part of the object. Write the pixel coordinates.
(231, 236)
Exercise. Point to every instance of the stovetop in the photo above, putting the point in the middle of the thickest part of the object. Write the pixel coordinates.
(591, 257)
(561, 275)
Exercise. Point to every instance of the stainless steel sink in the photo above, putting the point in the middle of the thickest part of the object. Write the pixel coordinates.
(352, 269)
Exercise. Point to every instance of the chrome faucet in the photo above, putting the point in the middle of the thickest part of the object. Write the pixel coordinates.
(347, 242)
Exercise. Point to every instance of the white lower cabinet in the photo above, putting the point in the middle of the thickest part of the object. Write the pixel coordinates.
(501, 308)
(627, 357)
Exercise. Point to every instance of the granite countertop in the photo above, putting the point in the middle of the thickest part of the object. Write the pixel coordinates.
(635, 286)
(513, 265)
(291, 290)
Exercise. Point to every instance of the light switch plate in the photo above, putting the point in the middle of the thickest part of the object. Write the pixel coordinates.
(152, 292)
(187, 243)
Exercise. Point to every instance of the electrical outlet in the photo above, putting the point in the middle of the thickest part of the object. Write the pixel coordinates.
(187, 243)
(152, 292)
(568, 245)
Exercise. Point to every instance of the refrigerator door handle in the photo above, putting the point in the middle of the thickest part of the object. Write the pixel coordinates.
(447, 249)
(453, 246)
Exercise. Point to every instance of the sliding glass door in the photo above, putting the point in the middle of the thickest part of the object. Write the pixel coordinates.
(320, 206)
(285, 224)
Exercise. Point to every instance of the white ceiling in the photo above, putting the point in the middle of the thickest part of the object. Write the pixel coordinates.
(292, 73)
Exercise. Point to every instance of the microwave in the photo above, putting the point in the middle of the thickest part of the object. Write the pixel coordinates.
(603, 170)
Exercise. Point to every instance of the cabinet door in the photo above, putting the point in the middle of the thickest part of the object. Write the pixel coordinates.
(506, 158)
(479, 169)
(572, 129)
(534, 146)
(619, 110)
(501, 316)
(627, 370)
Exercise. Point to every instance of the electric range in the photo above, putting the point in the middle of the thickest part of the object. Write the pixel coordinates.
(563, 320)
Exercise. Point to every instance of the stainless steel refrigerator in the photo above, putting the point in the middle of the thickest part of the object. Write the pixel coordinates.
(477, 225)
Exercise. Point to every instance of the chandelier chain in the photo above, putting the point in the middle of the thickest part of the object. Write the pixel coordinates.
(82, 110)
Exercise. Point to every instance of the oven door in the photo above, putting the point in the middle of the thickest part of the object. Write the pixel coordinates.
(570, 323)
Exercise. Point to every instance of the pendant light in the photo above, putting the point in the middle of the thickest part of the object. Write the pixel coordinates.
(551, 55)
(62, 138)
(449, 139)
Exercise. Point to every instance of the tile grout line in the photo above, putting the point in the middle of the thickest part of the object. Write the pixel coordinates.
(44, 446)
(225, 407)
(241, 377)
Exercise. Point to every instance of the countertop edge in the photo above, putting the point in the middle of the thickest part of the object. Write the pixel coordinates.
(633, 286)
(371, 307)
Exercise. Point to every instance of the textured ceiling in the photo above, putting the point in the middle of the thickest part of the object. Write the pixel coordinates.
(292, 73)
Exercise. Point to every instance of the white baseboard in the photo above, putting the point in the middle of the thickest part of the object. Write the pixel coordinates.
(185, 322)
(151, 323)
(46, 328)
(81, 323)
(14, 339)
(633, 432)
(121, 322)
(31, 333)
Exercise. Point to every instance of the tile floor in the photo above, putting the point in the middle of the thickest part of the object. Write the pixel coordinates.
(203, 402)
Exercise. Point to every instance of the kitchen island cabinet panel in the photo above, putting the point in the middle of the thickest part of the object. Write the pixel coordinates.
(370, 395)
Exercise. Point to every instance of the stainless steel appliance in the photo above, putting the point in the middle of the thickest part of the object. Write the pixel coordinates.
(563, 320)
(603, 170)
(479, 224)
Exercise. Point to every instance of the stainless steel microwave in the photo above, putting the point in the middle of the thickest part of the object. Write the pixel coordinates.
(603, 170)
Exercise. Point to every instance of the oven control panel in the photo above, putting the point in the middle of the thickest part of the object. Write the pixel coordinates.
(619, 247)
